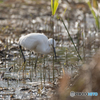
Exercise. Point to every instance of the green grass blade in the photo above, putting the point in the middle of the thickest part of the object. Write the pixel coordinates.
(54, 6)
(92, 11)
(71, 38)
(96, 17)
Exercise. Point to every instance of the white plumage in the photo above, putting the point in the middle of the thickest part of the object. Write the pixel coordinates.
(38, 42)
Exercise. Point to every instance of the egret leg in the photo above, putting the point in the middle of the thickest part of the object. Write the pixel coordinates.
(22, 53)
(44, 70)
(36, 64)
(24, 64)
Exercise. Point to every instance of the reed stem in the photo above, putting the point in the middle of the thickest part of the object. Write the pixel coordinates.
(71, 39)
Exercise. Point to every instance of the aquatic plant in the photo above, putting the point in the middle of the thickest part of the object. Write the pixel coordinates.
(94, 12)
(54, 6)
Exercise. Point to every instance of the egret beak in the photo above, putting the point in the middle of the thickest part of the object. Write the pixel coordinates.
(22, 53)
(54, 52)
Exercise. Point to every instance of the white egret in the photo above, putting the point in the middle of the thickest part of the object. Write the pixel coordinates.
(38, 43)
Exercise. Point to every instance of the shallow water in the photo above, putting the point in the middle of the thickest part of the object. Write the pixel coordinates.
(15, 78)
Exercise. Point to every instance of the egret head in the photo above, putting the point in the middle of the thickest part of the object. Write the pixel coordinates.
(52, 44)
